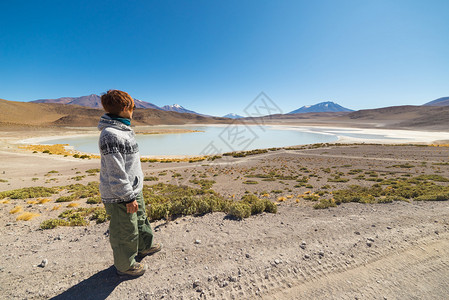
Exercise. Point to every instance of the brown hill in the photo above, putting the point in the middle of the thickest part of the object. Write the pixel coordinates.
(92, 101)
(50, 114)
(398, 117)
(426, 117)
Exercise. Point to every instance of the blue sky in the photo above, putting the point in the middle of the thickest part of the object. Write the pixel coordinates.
(215, 57)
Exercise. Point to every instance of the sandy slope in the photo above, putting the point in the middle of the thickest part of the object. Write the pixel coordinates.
(354, 251)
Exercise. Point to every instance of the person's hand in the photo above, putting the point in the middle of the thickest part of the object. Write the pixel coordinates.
(132, 207)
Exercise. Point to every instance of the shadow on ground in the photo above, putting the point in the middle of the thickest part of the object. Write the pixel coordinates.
(97, 287)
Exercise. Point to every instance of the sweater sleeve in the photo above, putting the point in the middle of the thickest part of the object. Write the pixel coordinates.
(119, 182)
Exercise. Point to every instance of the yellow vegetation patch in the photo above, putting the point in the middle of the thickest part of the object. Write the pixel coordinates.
(297, 200)
(32, 202)
(59, 149)
(169, 160)
(26, 216)
(45, 200)
(282, 199)
(4, 201)
(266, 195)
(16, 210)
(289, 196)
(439, 145)
(73, 204)
(56, 207)
(53, 149)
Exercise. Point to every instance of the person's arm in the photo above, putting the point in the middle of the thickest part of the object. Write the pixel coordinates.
(118, 178)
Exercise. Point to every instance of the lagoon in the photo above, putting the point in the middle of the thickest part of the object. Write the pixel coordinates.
(217, 139)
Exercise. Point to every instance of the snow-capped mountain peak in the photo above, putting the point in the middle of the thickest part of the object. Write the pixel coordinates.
(328, 106)
(233, 116)
(177, 108)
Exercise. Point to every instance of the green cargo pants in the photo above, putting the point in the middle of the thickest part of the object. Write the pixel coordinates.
(128, 233)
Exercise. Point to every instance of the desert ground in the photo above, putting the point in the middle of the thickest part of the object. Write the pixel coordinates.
(395, 249)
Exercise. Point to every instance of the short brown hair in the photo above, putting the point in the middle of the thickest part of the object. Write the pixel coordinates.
(114, 101)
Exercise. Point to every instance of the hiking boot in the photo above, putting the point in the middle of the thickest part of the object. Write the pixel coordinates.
(136, 270)
(150, 251)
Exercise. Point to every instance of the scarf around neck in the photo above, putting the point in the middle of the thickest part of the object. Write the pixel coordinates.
(125, 121)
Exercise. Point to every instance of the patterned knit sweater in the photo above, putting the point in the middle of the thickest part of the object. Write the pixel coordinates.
(121, 176)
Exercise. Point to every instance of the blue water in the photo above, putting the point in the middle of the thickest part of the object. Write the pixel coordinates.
(213, 140)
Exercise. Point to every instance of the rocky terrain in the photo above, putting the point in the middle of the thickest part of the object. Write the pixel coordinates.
(396, 250)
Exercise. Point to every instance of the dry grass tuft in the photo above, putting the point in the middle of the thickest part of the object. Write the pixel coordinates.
(56, 207)
(73, 204)
(16, 210)
(59, 149)
(32, 202)
(26, 216)
(45, 200)
(4, 201)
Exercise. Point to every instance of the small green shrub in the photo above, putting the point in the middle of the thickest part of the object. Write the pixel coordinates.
(433, 197)
(29, 192)
(270, 207)
(65, 198)
(53, 223)
(404, 166)
(312, 197)
(250, 182)
(304, 179)
(337, 179)
(77, 217)
(204, 183)
(100, 215)
(433, 177)
(256, 204)
(354, 171)
(240, 210)
(93, 200)
(325, 203)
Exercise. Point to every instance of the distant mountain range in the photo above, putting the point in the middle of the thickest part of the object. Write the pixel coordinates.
(233, 116)
(178, 108)
(31, 115)
(320, 107)
(54, 114)
(94, 101)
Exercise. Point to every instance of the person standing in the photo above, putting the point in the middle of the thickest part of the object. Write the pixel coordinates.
(121, 183)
